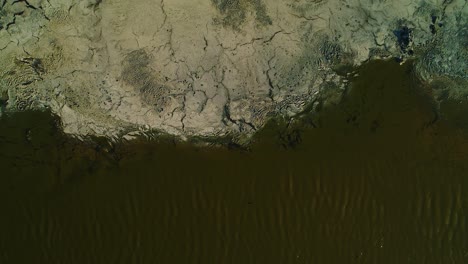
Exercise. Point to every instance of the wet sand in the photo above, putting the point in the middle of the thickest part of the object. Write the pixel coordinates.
(374, 177)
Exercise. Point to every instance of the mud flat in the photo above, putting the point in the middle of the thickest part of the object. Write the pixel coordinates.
(211, 68)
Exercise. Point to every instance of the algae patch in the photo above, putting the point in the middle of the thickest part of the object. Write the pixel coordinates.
(137, 74)
(234, 12)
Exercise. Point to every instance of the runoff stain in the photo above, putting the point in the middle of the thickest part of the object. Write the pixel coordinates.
(376, 178)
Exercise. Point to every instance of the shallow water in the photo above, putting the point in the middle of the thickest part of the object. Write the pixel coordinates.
(379, 177)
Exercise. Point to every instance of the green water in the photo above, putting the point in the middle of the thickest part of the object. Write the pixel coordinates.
(375, 177)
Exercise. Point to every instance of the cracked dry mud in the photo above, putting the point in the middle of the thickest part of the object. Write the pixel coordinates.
(207, 68)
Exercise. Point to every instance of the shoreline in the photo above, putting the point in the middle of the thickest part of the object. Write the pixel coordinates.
(289, 129)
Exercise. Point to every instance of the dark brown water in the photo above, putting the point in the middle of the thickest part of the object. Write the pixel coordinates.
(377, 178)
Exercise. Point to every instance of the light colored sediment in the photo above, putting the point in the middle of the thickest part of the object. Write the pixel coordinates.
(208, 67)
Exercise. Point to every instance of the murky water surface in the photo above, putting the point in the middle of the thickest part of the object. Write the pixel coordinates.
(376, 178)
